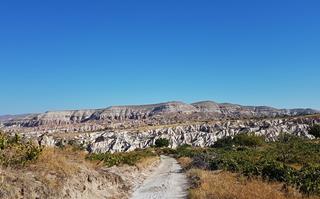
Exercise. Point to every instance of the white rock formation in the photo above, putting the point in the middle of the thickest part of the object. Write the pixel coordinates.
(195, 135)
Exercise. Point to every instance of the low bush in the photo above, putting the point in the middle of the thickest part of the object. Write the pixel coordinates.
(188, 151)
(14, 152)
(249, 140)
(240, 140)
(309, 180)
(226, 185)
(294, 150)
(315, 130)
(115, 159)
(162, 142)
(226, 142)
(6, 140)
(291, 160)
(273, 170)
(165, 151)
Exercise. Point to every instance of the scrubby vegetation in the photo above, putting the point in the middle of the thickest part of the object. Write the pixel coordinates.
(245, 140)
(226, 185)
(291, 163)
(315, 130)
(162, 142)
(30, 171)
(291, 160)
(15, 152)
(115, 159)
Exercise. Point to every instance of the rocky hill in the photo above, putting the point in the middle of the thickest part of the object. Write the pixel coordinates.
(125, 128)
(137, 115)
(197, 134)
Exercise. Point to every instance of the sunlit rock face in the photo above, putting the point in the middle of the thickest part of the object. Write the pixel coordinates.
(201, 135)
(123, 117)
(125, 128)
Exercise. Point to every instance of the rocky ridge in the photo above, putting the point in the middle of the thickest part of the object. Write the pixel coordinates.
(140, 115)
(126, 128)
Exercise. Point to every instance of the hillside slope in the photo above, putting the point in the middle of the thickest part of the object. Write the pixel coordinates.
(137, 115)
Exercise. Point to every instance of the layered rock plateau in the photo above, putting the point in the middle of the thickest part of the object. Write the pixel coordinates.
(125, 128)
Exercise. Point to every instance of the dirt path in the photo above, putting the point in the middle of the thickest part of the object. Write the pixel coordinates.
(167, 181)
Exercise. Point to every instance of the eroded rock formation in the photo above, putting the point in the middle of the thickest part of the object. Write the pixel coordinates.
(125, 128)
(200, 134)
(134, 116)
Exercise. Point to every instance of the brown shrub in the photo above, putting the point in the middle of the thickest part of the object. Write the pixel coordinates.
(185, 162)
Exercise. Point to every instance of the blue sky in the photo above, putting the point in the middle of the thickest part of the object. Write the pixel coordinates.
(58, 55)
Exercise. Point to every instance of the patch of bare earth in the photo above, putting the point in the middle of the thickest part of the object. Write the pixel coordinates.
(166, 181)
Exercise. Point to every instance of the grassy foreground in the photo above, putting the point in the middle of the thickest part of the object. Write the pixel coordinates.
(30, 171)
(225, 185)
(241, 167)
(288, 168)
(17, 153)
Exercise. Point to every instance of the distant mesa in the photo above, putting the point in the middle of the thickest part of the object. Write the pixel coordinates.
(162, 113)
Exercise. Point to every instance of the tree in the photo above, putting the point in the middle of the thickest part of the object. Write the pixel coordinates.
(315, 130)
(162, 142)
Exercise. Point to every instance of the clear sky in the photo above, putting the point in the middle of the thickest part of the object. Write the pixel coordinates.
(64, 54)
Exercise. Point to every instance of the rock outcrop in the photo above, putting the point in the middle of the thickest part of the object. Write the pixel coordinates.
(125, 128)
(199, 134)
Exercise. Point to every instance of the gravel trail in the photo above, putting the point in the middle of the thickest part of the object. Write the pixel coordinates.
(167, 182)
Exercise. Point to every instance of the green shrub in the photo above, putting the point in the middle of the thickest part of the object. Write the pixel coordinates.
(295, 151)
(315, 130)
(115, 159)
(248, 140)
(226, 142)
(309, 180)
(162, 142)
(166, 151)
(250, 169)
(240, 140)
(14, 152)
(276, 161)
(3, 141)
(188, 151)
(273, 170)
(288, 138)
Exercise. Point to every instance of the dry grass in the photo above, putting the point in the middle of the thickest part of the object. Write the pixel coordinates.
(146, 162)
(65, 173)
(225, 185)
(184, 162)
(55, 159)
(54, 165)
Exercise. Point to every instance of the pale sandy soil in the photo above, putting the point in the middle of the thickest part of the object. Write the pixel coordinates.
(166, 181)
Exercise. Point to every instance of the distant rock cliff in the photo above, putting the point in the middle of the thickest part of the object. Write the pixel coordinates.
(125, 128)
(133, 116)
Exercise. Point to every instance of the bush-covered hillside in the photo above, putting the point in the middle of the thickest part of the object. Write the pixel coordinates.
(291, 160)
